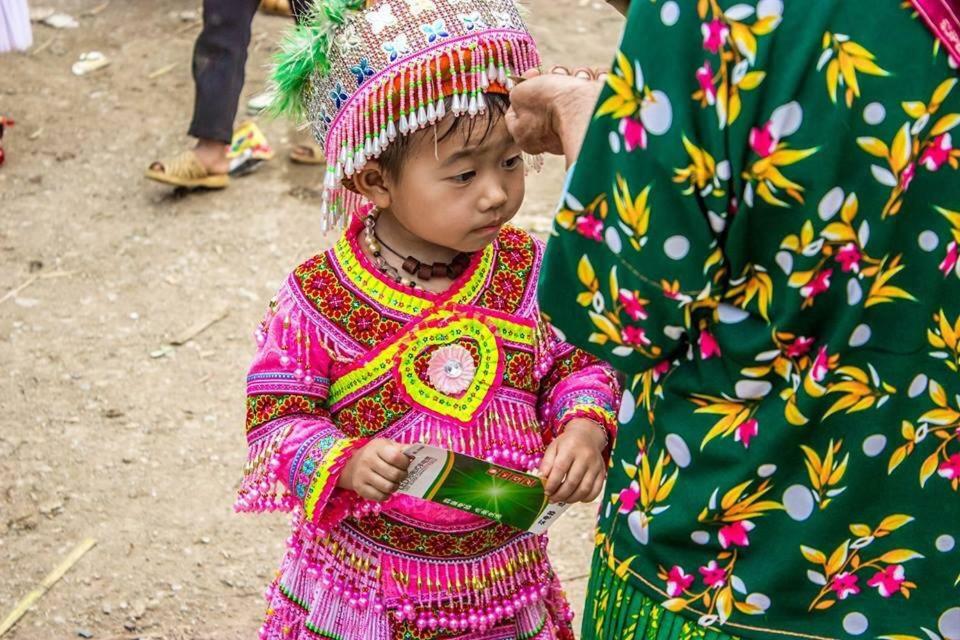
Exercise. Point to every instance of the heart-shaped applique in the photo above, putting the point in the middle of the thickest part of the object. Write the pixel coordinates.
(487, 373)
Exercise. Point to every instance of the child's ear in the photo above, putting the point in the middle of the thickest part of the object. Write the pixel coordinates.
(371, 183)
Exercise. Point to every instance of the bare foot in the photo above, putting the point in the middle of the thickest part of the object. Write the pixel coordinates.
(212, 154)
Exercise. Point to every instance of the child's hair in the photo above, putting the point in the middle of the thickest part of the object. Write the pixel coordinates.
(391, 159)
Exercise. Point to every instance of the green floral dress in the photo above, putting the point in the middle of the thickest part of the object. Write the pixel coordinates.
(762, 233)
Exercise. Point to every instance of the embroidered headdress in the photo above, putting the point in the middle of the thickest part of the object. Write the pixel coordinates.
(363, 72)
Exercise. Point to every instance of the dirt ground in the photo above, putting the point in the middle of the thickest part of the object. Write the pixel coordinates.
(107, 431)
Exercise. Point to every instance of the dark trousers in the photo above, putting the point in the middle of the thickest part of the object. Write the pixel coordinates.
(218, 64)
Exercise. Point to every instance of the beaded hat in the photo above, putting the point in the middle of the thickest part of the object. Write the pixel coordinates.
(363, 72)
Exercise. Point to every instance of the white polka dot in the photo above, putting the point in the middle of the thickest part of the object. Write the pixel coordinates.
(676, 247)
(918, 386)
(731, 315)
(670, 13)
(929, 241)
(639, 526)
(863, 234)
(769, 8)
(798, 501)
(717, 223)
(860, 336)
(786, 119)
(678, 449)
(830, 203)
(612, 236)
(614, 142)
(949, 624)
(945, 543)
(673, 332)
(700, 537)
(766, 470)
(628, 406)
(785, 261)
(759, 600)
(753, 389)
(874, 445)
(656, 113)
(723, 170)
(855, 623)
(854, 292)
(874, 113)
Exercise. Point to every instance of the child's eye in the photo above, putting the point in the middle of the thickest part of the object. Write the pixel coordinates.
(464, 177)
(513, 163)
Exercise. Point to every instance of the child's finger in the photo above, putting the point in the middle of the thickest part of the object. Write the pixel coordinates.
(382, 485)
(571, 483)
(549, 457)
(371, 493)
(559, 469)
(394, 456)
(388, 471)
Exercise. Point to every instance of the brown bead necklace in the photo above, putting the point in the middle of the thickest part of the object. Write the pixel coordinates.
(424, 271)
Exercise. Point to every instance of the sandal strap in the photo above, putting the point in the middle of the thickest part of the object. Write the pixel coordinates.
(186, 166)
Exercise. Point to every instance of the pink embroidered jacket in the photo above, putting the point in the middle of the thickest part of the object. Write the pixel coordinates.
(346, 355)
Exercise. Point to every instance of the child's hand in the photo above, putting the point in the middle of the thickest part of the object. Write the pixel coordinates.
(573, 469)
(376, 470)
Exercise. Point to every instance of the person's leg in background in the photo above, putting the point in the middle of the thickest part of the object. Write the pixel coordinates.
(219, 58)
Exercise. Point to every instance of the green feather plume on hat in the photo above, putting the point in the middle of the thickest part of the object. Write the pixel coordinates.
(305, 51)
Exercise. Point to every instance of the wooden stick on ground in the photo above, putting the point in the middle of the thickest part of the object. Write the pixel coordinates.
(52, 578)
(162, 71)
(200, 327)
(13, 293)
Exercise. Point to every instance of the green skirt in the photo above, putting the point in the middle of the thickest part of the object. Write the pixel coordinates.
(616, 610)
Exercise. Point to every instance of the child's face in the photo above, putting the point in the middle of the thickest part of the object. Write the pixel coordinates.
(458, 192)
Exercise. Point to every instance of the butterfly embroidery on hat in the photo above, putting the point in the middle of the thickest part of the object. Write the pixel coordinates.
(473, 21)
(397, 47)
(419, 6)
(435, 31)
(381, 18)
(504, 20)
(362, 71)
(339, 96)
(349, 40)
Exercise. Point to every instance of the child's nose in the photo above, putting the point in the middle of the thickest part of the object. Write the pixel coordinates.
(494, 197)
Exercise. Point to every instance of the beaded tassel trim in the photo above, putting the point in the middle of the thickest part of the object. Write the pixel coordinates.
(395, 68)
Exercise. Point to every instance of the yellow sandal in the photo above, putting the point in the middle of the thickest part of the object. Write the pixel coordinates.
(186, 170)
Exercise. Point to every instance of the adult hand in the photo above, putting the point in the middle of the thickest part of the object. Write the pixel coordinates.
(550, 113)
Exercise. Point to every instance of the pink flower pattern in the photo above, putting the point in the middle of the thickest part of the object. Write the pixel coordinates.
(590, 227)
(635, 336)
(747, 432)
(632, 305)
(678, 581)
(709, 348)
(735, 534)
(634, 135)
(888, 581)
(849, 257)
(845, 585)
(715, 33)
(950, 468)
(819, 284)
(713, 576)
(938, 153)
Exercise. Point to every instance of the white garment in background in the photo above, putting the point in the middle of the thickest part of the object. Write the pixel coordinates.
(15, 30)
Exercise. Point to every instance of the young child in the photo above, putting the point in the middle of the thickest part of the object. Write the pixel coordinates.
(420, 325)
